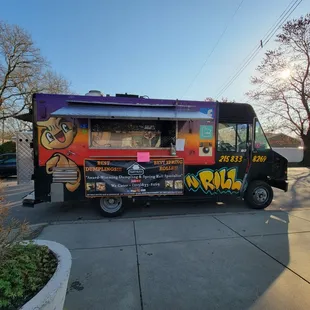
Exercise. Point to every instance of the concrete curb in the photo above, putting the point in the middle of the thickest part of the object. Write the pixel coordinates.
(35, 230)
(160, 217)
(53, 294)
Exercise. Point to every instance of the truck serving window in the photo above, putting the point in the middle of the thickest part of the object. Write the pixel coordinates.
(131, 134)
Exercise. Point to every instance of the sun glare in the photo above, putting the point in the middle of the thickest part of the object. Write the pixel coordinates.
(285, 74)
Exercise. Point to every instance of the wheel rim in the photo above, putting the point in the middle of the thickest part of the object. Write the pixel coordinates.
(260, 195)
(111, 204)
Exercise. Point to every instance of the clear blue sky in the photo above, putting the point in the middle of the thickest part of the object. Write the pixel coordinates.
(152, 48)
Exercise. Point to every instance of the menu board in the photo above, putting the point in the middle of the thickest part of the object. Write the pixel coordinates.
(130, 178)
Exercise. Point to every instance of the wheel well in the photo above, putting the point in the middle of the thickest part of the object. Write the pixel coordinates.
(260, 178)
(281, 184)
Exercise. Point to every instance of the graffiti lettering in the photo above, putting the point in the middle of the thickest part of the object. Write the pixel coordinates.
(192, 183)
(220, 181)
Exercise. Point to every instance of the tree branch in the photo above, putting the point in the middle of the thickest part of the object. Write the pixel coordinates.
(13, 114)
(303, 93)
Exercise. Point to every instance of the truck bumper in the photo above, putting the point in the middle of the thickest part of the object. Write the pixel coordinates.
(280, 184)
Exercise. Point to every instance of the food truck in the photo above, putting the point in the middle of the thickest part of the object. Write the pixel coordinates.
(115, 148)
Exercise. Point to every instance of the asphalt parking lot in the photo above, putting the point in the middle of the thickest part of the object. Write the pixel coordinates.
(297, 197)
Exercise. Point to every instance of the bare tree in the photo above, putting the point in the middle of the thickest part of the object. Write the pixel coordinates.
(23, 71)
(48, 82)
(226, 100)
(282, 83)
(13, 125)
(20, 64)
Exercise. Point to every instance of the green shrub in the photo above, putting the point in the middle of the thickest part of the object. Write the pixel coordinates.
(24, 271)
(24, 268)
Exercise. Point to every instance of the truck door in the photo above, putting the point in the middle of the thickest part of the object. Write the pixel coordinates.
(232, 148)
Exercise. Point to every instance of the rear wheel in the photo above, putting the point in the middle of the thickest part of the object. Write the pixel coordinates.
(259, 195)
(111, 206)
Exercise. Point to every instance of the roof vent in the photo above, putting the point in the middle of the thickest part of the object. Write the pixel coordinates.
(126, 95)
(96, 93)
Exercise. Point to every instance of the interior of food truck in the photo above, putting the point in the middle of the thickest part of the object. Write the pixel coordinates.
(133, 134)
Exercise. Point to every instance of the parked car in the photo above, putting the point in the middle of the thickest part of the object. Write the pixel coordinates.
(7, 165)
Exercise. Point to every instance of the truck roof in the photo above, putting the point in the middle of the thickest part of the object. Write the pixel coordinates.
(230, 112)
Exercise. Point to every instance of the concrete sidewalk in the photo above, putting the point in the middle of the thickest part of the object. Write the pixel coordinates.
(257, 260)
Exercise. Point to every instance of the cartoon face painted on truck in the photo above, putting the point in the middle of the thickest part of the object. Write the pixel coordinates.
(58, 133)
(59, 160)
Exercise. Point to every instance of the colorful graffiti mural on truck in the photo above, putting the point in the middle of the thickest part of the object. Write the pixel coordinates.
(58, 134)
(221, 181)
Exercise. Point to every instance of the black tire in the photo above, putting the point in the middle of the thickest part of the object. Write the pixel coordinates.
(111, 206)
(258, 195)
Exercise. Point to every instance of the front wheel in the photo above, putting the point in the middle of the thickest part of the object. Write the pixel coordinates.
(111, 206)
(259, 195)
